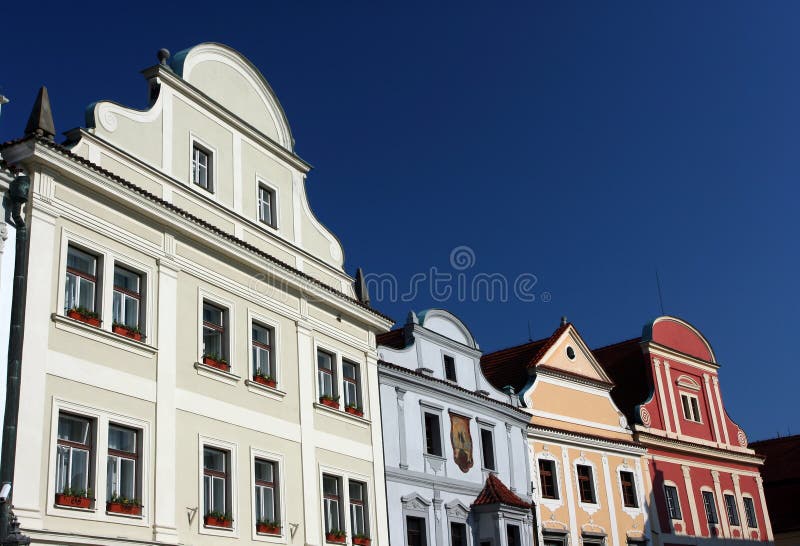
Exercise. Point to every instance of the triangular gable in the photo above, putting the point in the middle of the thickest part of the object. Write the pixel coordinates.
(568, 353)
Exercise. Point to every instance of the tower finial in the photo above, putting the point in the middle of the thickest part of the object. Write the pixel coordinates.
(163, 56)
(41, 120)
(563, 321)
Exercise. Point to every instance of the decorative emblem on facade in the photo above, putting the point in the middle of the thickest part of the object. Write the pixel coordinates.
(742, 438)
(644, 416)
(461, 439)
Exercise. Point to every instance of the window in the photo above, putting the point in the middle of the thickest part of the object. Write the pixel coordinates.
(691, 409)
(201, 167)
(266, 205)
(711, 508)
(628, 489)
(215, 481)
(673, 504)
(750, 512)
(331, 493)
(127, 298)
(74, 455)
(415, 531)
(326, 375)
(586, 484)
(214, 327)
(358, 509)
(458, 534)
(433, 435)
(351, 385)
(449, 368)
(730, 507)
(513, 536)
(262, 351)
(122, 462)
(266, 501)
(547, 478)
(487, 448)
(80, 289)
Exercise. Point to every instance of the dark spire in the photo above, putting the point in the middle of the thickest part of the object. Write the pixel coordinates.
(41, 120)
(362, 292)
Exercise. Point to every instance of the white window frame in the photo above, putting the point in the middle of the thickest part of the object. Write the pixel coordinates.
(261, 182)
(485, 425)
(344, 478)
(212, 173)
(142, 292)
(101, 419)
(276, 349)
(278, 460)
(232, 485)
(427, 407)
(632, 511)
(337, 356)
(590, 507)
(691, 397)
(551, 504)
(232, 376)
(358, 383)
(446, 354)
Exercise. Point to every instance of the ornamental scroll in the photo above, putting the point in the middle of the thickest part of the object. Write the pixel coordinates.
(461, 439)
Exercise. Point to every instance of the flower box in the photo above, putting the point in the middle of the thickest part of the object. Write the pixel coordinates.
(268, 529)
(73, 501)
(362, 541)
(123, 331)
(354, 411)
(261, 380)
(77, 315)
(123, 508)
(335, 538)
(214, 363)
(214, 521)
(330, 402)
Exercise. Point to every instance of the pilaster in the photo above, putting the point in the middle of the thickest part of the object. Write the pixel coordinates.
(767, 522)
(661, 397)
(720, 500)
(724, 423)
(378, 465)
(711, 409)
(612, 506)
(401, 421)
(687, 480)
(311, 500)
(512, 477)
(671, 387)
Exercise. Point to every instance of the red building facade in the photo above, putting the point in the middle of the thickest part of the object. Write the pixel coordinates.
(706, 481)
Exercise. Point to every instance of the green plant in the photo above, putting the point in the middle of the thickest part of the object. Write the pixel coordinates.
(84, 312)
(131, 328)
(75, 492)
(337, 533)
(268, 522)
(118, 499)
(354, 406)
(215, 356)
(330, 397)
(361, 535)
(219, 516)
(268, 377)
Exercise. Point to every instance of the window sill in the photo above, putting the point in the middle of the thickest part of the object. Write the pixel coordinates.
(103, 336)
(217, 528)
(343, 415)
(127, 516)
(269, 392)
(215, 373)
(75, 509)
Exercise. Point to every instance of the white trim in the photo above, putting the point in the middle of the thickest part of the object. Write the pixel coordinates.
(344, 477)
(687, 382)
(550, 504)
(233, 480)
(661, 396)
(482, 425)
(676, 421)
(573, 420)
(275, 345)
(275, 226)
(689, 396)
(589, 507)
(230, 327)
(632, 511)
(278, 460)
(211, 173)
(722, 415)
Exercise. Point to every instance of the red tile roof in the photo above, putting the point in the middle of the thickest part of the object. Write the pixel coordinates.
(510, 366)
(629, 369)
(496, 492)
(396, 339)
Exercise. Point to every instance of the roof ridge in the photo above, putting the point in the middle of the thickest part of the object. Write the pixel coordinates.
(639, 338)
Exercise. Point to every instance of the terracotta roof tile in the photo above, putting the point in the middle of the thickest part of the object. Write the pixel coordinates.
(496, 492)
(396, 339)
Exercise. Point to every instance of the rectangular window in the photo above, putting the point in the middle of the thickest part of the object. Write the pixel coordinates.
(266, 203)
(331, 493)
(733, 511)
(513, 536)
(127, 298)
(711, 508)
(215, 324)
(80, 289)
(547, 478)
(458, 534)
(216, 481)
(74, 456)
(121, 464)
(326, 375)
(433, 434)
(586, 484)
(449, 368)
(673, 504)
(628, 489)
(358, 510)
(750, 512)
(351, 384)
(487, 448)
(261, 342)
(415, 531)
(201, 168)
(691, 408)
(266, 492)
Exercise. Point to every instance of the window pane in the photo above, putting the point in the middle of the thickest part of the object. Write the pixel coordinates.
(85, 293)
(269, 504)
(357, 519)
(131, 317)
(214, 459)
(81, 261)
(212, 341)
(261, 334)
(325, 383)
(330, 486)
(127, 478)
(71, 292)
(349, 370)
(695, 410)
(261, 361)
(685, 401)
(733, 513)
(324, 360)
(458, 534)
(218, 494)
(112, 477)
(79, 478)
(487, 444)
(73, 429)
(433, 444)
(332, 521)
(351, 394)
(62, 468)
(750, 511)
(212, 314)
(126, 280)
(356, 491)
(263, 471)
(121, 439)
(207, 494)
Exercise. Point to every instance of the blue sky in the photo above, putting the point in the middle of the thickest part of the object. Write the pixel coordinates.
(587, 144)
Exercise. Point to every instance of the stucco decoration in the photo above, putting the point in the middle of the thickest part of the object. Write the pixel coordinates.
(741, 437)
(229, 78)
(644, 416)
(416, 503)
(456, 510)
(461, 440)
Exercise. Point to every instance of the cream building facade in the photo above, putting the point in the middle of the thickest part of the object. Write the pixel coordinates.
(590, 486)
(189, 328)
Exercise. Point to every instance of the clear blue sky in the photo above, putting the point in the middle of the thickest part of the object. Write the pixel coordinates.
(585, 143)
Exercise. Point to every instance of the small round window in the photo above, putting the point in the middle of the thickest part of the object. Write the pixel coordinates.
(570, 353)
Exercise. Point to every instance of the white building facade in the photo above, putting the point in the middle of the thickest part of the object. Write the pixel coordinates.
(191, 335)
(455, 448)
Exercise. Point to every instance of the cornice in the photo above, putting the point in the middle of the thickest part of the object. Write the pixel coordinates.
(690, 448)
(445, 341)
(539, 432)
(549, 371)
(670, 353)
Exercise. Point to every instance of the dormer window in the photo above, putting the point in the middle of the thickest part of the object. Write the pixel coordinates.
(449, 368)
(266, 205)
(201, 167)
(691, 408)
